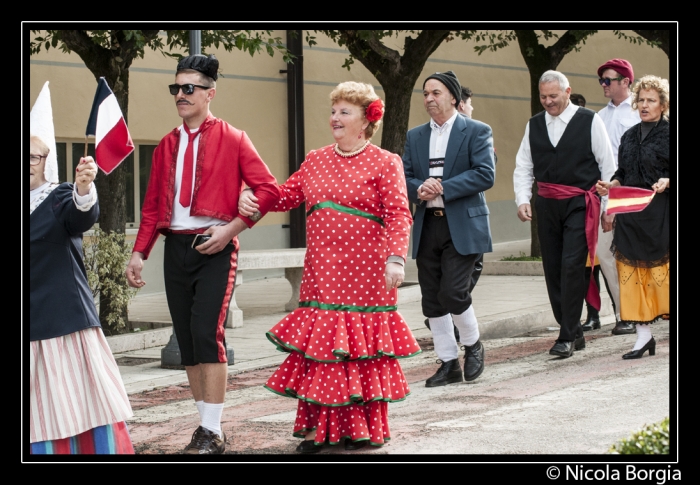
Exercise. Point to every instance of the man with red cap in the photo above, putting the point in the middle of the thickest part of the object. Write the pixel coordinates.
(616, 77)
(197, 174)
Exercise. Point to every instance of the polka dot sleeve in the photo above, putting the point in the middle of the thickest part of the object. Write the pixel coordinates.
(394, 203)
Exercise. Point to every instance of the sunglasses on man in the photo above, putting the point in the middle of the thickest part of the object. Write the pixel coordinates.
(603, 80)
(187, 89)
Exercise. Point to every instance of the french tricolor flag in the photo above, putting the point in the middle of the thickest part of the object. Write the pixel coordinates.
(628, 199)
(112, 140)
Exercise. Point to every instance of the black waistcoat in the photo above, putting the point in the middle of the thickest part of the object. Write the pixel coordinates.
(572, 161)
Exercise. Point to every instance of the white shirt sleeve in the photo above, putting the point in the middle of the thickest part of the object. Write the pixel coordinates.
(85, 202)
(602, 150)
(523, 175)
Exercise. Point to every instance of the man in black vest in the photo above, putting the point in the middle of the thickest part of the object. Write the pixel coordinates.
(565, 149)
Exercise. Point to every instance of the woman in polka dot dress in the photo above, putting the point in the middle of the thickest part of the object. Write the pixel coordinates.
(346, 336)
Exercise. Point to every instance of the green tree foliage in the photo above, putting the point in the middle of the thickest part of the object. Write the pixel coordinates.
(652, 439)
(109, 54)
(396, 72)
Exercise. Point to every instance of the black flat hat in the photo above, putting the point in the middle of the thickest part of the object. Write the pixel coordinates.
(208, 66)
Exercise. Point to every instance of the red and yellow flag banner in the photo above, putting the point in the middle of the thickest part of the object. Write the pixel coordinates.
(628, 199)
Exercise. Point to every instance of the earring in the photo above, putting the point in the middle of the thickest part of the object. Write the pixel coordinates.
(359, 136)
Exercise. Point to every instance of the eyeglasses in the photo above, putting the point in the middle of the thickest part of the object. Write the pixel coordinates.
(604, 80)
(186, 88)
(35, 159)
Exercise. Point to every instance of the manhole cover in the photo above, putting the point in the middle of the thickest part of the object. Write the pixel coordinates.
(129, 361)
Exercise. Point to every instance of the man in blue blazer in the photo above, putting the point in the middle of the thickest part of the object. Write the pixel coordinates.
(449, 163)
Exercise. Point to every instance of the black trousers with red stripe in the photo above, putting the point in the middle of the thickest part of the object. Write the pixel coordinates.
(198, 288)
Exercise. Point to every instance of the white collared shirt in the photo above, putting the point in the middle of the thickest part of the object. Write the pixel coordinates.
(181, 219)
(439, 136)
(523, 175)
(618, 119)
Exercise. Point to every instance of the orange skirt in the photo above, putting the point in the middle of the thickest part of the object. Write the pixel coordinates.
(644, 292)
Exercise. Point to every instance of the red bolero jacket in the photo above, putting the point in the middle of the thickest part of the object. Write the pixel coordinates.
(226, 162)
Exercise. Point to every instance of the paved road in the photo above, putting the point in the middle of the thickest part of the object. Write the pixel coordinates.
(525, 403)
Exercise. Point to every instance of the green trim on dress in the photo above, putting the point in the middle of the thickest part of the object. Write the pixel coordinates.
(347, 308)
(348, 210)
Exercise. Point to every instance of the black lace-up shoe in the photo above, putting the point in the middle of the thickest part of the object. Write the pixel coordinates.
(562, 348)
(448, 373)
(473, 360)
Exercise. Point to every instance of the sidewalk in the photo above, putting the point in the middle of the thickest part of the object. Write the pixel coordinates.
(506, 305)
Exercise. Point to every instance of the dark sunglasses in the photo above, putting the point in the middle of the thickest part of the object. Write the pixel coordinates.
(186, 88)
(604, 80)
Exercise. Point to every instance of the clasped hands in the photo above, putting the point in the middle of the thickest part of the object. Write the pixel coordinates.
(430, 189)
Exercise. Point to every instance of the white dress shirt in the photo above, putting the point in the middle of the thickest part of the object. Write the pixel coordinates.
(439, 136)
(523, 176)
(618, 119)
(181, 219)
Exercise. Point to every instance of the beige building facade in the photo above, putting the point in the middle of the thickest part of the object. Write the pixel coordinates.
(252, 95)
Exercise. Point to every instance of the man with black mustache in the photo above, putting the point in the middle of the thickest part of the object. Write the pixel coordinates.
(198, 172)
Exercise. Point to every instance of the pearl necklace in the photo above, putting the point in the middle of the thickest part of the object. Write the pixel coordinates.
(350, 154)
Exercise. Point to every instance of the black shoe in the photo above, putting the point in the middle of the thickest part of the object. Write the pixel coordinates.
(308, 446)
(580, 343)
(448, 373)
(562, 348)
(205, 442)
(624, 328)
(592, 323)
(637, 354)
(473, 360)
(351, 445)
(427, 324)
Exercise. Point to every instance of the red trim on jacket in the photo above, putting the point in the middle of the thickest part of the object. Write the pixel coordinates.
(226, 162)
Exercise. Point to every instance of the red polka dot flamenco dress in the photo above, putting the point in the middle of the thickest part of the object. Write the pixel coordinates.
(346, 337)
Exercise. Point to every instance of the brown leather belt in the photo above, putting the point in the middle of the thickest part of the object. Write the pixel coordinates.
(439, 212)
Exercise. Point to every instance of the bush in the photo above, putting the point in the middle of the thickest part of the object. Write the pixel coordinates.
(652, 439)
(105, 256)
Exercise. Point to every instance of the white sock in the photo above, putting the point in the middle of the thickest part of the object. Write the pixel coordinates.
(643, 336)
(211, 416)
(444, 338)
(199, 408)
(468, 326)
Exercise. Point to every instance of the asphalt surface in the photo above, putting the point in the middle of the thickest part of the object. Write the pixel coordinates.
(526, 406)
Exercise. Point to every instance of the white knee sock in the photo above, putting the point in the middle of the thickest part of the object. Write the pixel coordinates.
(643, 336)
(444, 338)
(211, 417)
(468, 326)
(199, 408)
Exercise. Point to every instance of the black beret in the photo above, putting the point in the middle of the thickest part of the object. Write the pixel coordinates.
(449, 79)
(208, 66)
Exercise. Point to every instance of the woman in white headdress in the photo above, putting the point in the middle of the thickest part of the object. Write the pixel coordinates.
(78, 404)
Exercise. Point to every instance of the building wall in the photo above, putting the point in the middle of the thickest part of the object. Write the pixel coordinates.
(251, 95)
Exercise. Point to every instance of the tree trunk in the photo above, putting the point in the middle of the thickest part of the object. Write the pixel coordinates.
(113, 64)
(398, 105)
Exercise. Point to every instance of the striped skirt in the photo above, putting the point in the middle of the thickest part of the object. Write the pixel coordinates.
(111, 439)
(75, 387)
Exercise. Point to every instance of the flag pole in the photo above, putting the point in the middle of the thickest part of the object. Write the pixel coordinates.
(86, 147)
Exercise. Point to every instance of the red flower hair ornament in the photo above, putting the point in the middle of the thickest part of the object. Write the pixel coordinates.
(375, 110)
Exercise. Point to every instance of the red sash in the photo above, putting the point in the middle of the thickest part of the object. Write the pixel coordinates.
(557, 191)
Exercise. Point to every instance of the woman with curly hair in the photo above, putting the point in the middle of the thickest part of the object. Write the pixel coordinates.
(641, 239)
(346, 336)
